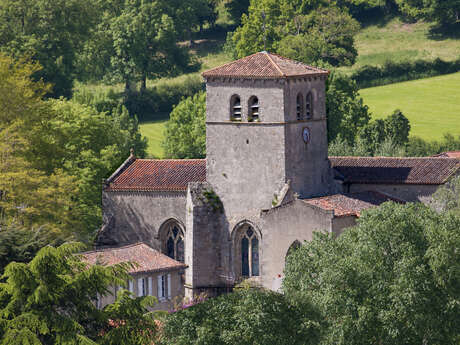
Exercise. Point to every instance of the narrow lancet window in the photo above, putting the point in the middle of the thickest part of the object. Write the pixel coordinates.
(249, 253)
(253, 109)
(309, 106)
(235, 108)
(299, 109)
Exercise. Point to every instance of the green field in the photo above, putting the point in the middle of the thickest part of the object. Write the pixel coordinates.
(154, 131)
(432, 105)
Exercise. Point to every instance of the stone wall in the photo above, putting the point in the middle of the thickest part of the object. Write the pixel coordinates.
(280, 228)
(130, 217)
(406, 192)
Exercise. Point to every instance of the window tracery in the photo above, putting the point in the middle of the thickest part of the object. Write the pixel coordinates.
(174, 243)
(249, 248)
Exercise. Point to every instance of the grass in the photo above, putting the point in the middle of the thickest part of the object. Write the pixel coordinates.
(397, 41)
(154, 131)
(432, 105)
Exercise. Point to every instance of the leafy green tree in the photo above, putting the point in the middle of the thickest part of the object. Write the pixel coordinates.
(392, 279)
(49, 31)
(302, 30)
(51, 300)
(346, 112)
(236, 8)
(397, 127)
(185, 133)
(444, 12)
(447, 198)
(325, 35)
(247, 316)
(136, 40)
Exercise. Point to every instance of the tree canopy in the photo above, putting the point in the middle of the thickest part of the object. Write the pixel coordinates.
(393, 278)
(51, 300)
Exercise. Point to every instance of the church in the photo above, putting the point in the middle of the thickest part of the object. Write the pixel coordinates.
(265, 186)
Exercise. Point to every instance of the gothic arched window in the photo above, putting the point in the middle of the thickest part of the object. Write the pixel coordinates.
(299, 108)
(253, 109)
(309, 105)
(249, 244)
(174, 242)
(235, 108)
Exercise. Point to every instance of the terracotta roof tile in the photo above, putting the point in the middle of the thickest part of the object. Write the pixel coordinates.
(158, 175)
(350, 204)
(395, 170)
(449, 154)
(264, 65)
(146, 258)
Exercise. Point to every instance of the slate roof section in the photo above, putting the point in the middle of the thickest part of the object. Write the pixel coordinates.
(351, 204)
(158, 175)
(395, 170)
(264, 65)
(148, 260)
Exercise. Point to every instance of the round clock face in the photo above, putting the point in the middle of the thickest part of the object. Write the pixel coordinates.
(306, 135)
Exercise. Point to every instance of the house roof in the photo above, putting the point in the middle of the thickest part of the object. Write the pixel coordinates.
(350, 204)
(146, 258)
(264, 65)
(395, 170)
(157, 175)
(450, 154)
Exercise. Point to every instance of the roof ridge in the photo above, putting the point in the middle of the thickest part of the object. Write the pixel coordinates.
(299, 62)
(100, 250)
(171, 159)
(274, 64)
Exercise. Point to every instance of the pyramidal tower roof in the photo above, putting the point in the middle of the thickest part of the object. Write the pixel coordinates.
(264, 65)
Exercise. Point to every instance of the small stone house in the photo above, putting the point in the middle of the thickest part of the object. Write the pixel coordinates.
(154, 274)
(266, 185)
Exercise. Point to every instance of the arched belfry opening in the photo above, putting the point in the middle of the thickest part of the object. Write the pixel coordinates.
(309, 105)
(235, 107)
(299, 106)
(253, 109)
(172, 240)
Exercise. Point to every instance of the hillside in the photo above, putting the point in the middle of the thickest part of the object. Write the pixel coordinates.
(432, 105)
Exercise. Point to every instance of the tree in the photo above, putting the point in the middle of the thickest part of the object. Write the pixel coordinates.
(325, 35)
(236, 8)
(447, 198)
(392, 279)
(346, 112)
(309, 31)
(185, 133)
(49, 31)
(397, 127)
(137, 40)
(51, 300)
(54, 154)
(247, 316)
(444, 12)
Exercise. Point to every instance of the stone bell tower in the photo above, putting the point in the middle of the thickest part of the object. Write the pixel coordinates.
(265, 130)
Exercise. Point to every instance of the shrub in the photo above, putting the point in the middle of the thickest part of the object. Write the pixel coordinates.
(393, 72)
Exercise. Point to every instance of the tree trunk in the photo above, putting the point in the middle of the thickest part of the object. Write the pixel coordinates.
(143, 83)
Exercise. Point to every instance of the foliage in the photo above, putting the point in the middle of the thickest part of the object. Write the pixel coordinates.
(447, 198)
(49, 31)
(89, 146)
(20, 244)
(377, 280)
(236, 8)
(130, 323)
(185, 133)
(345, 110)
(325, 35)
(51, 300)
(394, 72)
(444, 12)
(55, 153)
(247, 316)
(316, 34)
(418, 147)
